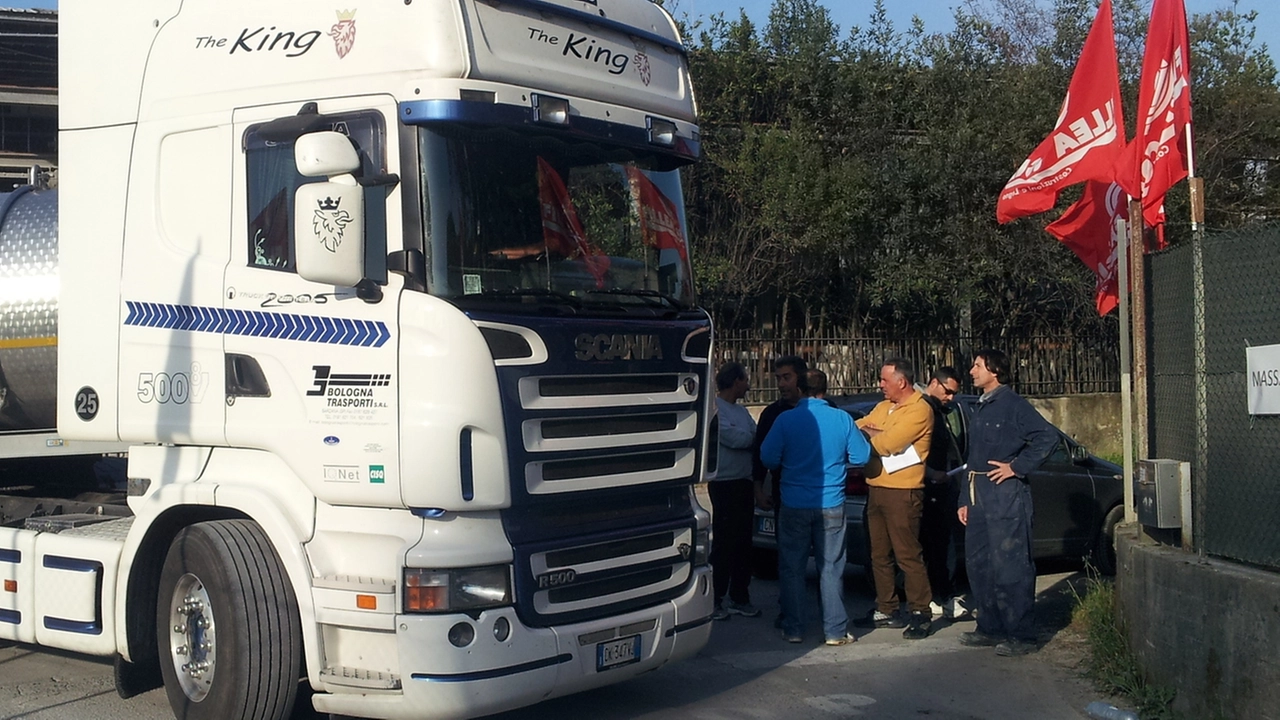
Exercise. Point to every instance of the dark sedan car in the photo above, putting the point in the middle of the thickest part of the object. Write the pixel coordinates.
(1078, 500)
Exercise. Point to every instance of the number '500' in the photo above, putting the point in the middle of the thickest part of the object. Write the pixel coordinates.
(169, 388)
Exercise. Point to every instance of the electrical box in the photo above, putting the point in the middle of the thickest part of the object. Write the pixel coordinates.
(1157, 492)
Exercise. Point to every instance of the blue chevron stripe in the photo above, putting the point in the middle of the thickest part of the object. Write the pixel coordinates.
(283, 326)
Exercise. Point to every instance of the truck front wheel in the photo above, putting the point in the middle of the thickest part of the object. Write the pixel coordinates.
(227, 622)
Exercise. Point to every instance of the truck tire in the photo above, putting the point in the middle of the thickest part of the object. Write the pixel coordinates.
(1104, 551)
(229, 637)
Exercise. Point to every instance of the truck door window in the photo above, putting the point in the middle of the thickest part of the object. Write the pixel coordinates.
(272, 178)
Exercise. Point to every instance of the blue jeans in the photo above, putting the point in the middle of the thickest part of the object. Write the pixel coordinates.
(800, 530)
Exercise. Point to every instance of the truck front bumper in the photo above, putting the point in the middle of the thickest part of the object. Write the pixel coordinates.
(439, 680)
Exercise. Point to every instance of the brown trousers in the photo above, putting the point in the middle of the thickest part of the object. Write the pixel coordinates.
(893, 521)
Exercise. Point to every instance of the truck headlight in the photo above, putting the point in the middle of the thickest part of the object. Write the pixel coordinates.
(702, 547)
(457, 589)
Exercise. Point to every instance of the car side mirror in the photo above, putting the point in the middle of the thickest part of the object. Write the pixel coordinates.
(1079, 453)
(328, 216)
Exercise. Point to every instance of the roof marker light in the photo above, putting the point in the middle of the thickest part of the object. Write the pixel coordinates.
(661, 132)
(550, 110)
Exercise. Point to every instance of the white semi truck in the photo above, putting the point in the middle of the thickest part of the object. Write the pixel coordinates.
(389, 307)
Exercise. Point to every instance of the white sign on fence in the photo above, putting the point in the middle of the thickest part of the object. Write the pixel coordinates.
(1264, 379)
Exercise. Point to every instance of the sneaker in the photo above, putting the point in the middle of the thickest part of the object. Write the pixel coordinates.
(936, 610)
(958, 608)
(745, 609)
(877, 619)
(977, 638)
(848, 639)
(1015, 648)
(791, 638)
(919, 626)
(720, 613)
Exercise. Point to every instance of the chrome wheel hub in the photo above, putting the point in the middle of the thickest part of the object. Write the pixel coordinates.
(192, 637)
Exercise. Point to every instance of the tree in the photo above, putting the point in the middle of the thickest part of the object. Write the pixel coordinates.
(850, 184)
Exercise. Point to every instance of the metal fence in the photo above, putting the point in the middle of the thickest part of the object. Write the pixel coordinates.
(1043, 365)
(1235, 457)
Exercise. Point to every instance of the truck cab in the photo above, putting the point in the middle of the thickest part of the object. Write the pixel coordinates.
(393, 307)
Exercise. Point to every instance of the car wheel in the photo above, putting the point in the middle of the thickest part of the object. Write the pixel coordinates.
(764, 563)
(1104, 549)
(230, 640)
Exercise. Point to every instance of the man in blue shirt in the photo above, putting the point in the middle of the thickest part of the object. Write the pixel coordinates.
(1007, 440)
(813, 444)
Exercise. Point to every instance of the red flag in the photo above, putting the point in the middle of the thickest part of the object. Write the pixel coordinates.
(1089, 228)
(1157, 157)
(1087, 138)
(659, 218)
(561, 230)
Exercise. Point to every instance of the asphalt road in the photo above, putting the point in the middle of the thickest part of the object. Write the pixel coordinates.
(746, 671)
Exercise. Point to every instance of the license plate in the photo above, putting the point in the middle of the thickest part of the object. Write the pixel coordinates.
(766, 526)
(617, 653)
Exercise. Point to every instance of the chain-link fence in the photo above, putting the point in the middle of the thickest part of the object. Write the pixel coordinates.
(1238, 479)
(1043, 365)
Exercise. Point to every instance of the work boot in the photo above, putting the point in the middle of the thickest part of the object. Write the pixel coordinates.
(918, 627)
(1016, 648)
(977, 638)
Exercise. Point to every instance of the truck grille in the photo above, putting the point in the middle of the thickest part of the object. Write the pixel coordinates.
(613, 431)
(608, 575)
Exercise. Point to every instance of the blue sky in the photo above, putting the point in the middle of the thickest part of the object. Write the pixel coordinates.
(935, 13)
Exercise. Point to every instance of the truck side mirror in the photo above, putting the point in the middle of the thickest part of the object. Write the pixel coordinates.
(329, 216)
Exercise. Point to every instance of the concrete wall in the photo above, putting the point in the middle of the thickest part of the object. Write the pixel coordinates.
(1093, 420)
(1210, 629)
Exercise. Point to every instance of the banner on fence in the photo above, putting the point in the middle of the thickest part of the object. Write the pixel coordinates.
(1263, 363)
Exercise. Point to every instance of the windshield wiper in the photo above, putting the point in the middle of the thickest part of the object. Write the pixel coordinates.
(524, 293)
(668, 299)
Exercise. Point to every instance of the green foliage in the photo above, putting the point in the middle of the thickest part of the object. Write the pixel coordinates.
(849, 183)
(1111, 663)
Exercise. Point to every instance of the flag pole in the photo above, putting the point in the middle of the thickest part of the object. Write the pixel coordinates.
(1200, 355)
(1126, 392)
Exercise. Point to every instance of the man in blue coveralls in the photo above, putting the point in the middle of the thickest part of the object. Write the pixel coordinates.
(1007, 440)
(813, 444)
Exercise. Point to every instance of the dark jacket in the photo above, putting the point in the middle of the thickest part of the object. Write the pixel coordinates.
(944, 448)
(767, 417)
(1005, 428)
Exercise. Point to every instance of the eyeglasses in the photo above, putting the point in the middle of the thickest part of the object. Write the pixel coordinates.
(949, 392)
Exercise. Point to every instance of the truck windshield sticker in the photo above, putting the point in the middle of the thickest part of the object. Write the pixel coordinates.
(252, 323)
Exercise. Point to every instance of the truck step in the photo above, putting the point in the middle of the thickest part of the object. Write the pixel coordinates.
(347, 677)
(103, 527)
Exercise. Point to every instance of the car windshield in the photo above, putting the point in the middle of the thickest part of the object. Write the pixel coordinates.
(534, 218)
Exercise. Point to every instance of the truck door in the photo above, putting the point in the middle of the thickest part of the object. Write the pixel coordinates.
(174, 257)
(311, 367)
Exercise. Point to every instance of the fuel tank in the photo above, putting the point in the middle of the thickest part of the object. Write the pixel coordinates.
(28, 310)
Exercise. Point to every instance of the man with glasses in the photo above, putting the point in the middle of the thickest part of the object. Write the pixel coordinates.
(939, 526)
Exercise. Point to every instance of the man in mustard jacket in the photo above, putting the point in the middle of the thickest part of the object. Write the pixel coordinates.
(900, 429)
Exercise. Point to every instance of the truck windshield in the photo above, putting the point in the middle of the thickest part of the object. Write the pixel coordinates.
(537, 219)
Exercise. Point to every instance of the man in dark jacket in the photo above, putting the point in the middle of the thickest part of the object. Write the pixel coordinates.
(1007, 440)
(792, 375)
(939, 527)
